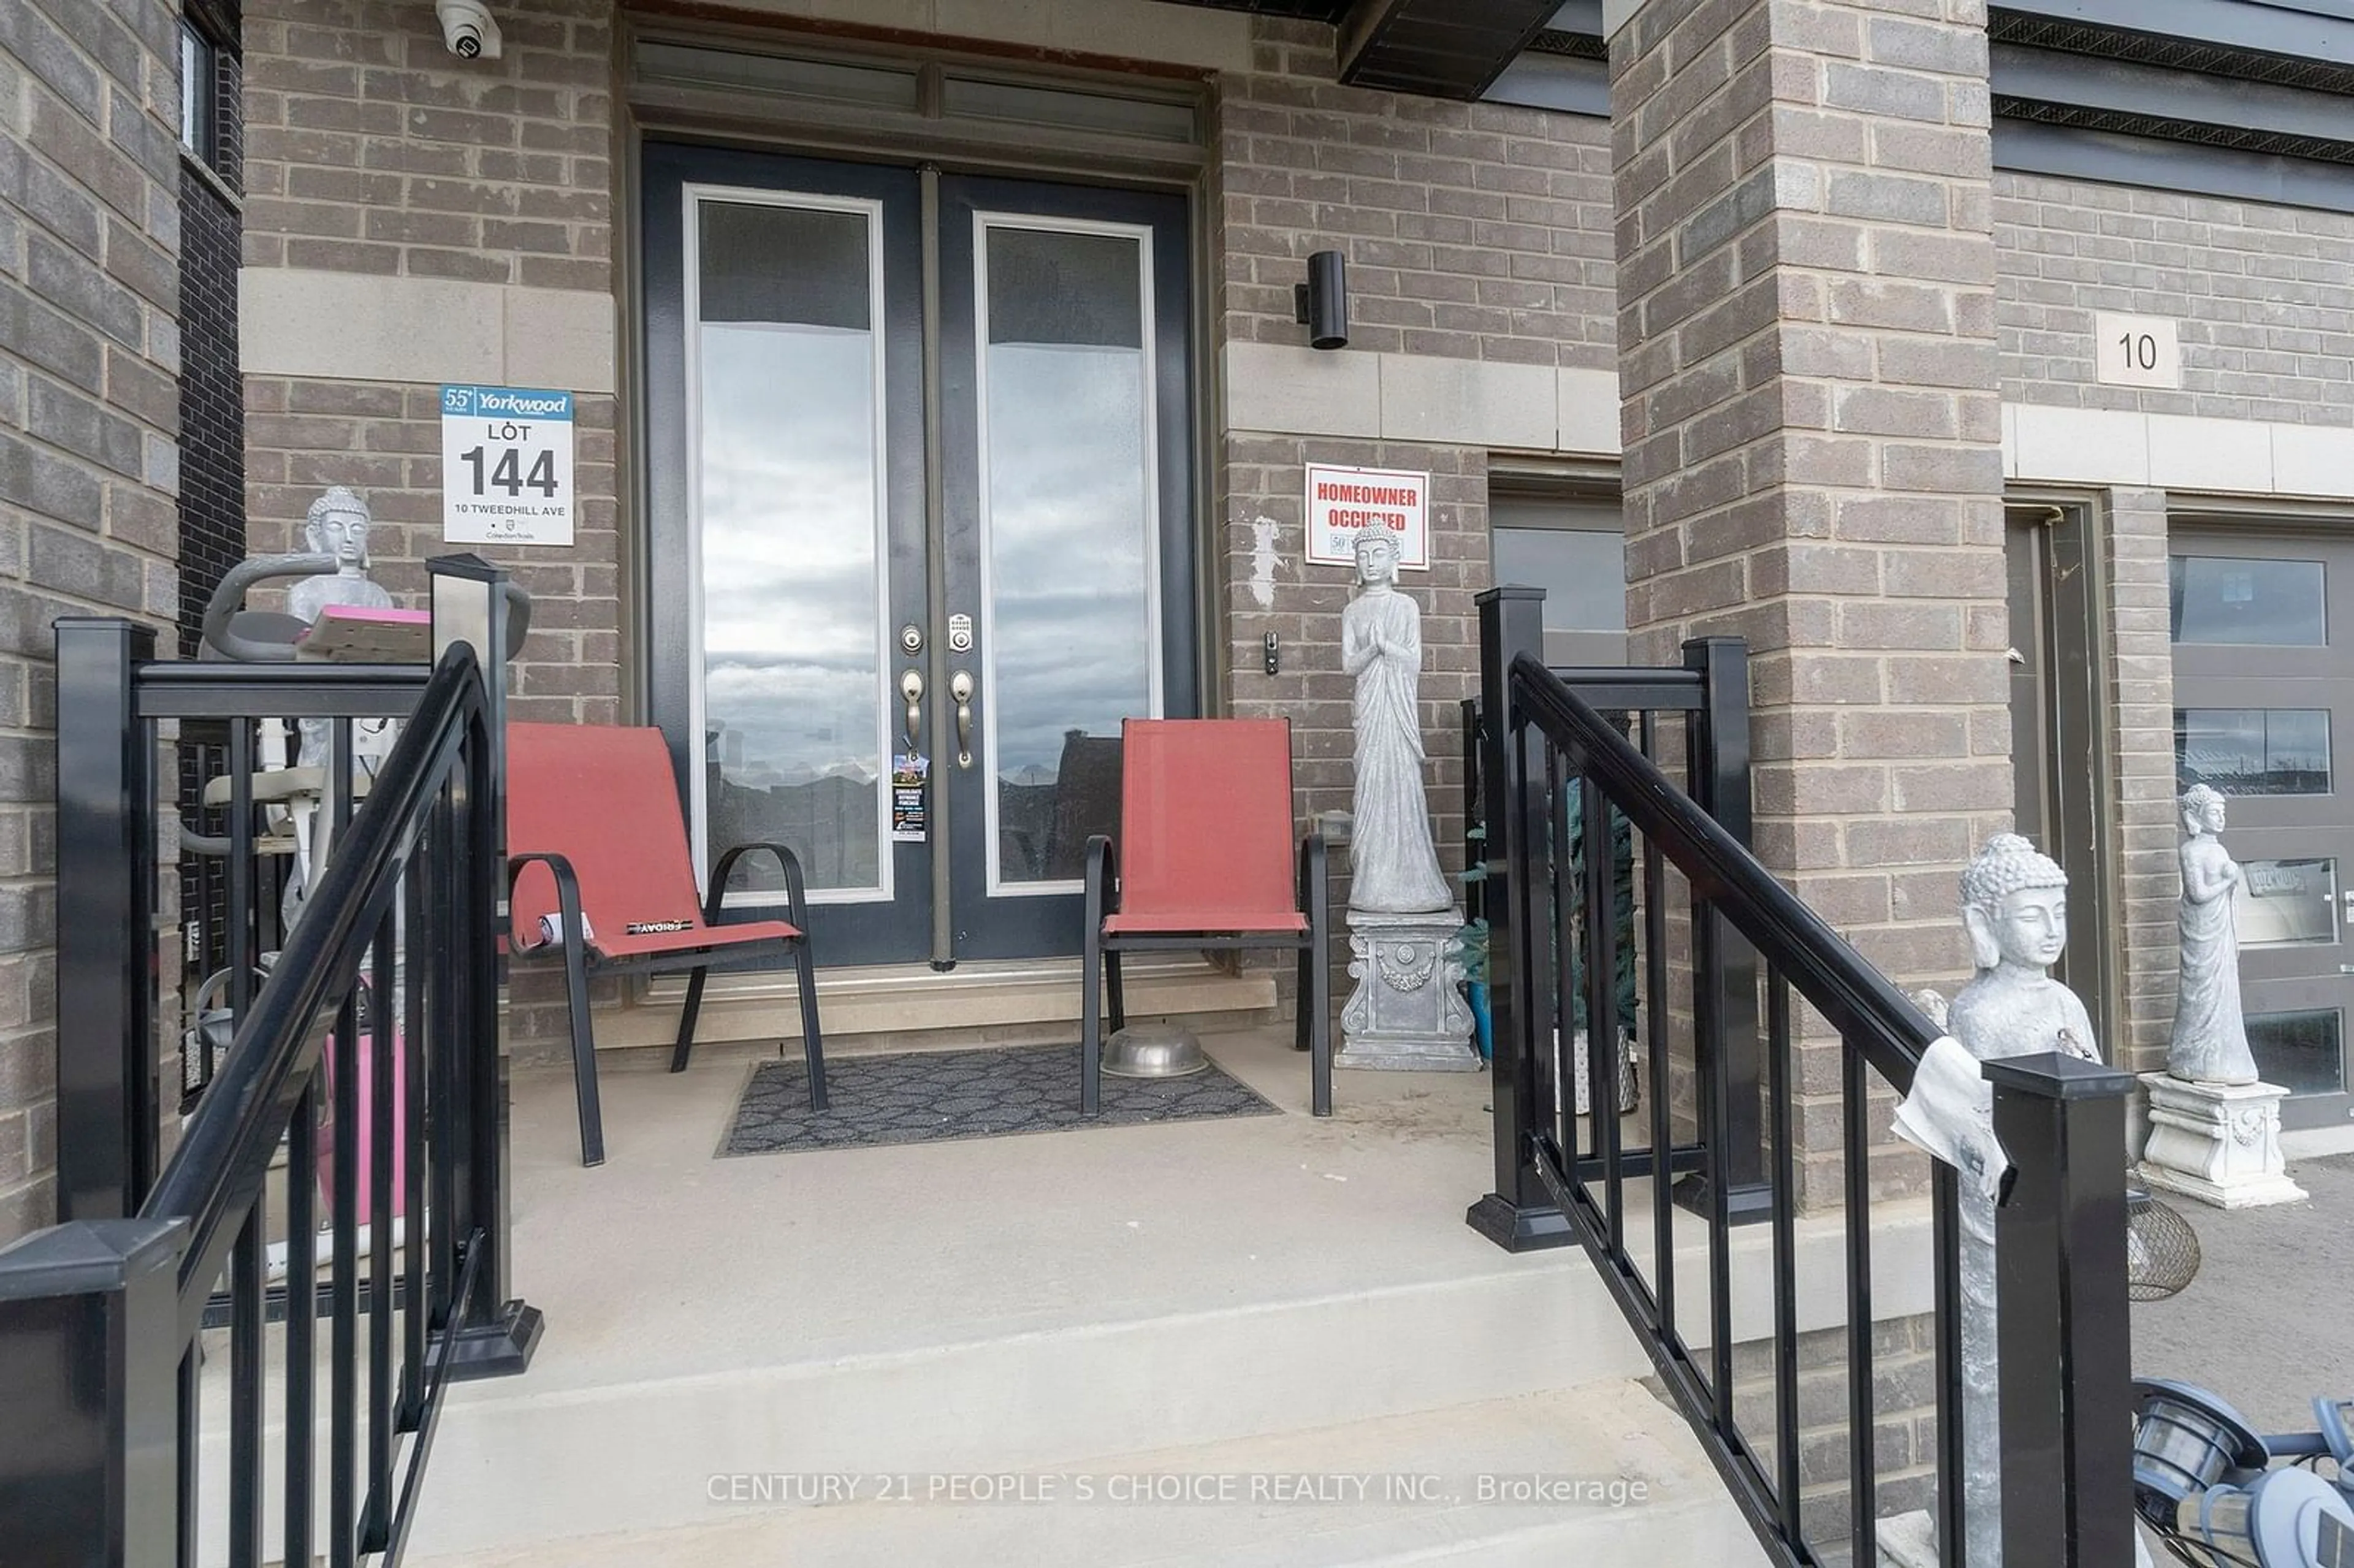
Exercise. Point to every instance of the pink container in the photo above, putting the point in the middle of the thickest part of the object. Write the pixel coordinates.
(328, 1131)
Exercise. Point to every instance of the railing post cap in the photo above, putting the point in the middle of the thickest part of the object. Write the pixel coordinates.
(1503, 591)
(84, 1257)
(2056, 1075)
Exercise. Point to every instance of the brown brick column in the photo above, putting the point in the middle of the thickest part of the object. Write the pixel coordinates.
(1813, 462)
(2141, 742)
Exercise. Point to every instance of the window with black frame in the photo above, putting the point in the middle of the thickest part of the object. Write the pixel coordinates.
(1569, 540)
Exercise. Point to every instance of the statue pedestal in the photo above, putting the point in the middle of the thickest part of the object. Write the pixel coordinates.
(1407, 1013)
(2218, 1143)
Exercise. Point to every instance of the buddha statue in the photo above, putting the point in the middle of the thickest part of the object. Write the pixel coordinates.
(337, 525)
(2015, 907)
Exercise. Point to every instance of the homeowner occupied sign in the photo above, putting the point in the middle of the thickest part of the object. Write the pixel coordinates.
(1341, 502)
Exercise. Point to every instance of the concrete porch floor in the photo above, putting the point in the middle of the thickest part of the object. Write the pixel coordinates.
(980, 1237)
(1251, 1294)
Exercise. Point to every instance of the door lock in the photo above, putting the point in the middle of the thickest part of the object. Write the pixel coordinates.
(911, 640)
(962, 687)
(911, 687)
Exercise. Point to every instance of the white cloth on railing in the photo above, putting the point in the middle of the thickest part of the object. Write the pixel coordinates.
(1950, 1115)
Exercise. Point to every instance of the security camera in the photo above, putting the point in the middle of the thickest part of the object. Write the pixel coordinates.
(467, 28)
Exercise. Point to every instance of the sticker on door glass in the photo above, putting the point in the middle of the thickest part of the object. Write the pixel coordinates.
(911, 804)
(2287, 903)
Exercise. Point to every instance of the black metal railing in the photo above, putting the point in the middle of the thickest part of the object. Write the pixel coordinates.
(2064, 1388)
(363, 1067)
(1703, 707)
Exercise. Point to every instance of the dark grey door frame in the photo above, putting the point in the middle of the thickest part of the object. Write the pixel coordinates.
(2060, 724)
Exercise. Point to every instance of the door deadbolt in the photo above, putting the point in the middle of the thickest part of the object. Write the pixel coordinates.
(911, 640)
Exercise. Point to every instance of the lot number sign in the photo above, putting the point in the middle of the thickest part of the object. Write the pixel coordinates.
(506, 466)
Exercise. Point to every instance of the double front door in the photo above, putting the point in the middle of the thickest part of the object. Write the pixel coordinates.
(921, 460)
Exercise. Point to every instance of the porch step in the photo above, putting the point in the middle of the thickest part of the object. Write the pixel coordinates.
(1031, 1305)
(904, 1007)
(1626, 1483)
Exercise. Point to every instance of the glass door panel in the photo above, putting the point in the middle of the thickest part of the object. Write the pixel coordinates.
(2263, 664)
(1070, 637)
(1066, 408)
(784, 524)
(788, 498)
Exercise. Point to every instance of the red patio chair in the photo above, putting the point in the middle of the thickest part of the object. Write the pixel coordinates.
(1205, 860)
(599, 808)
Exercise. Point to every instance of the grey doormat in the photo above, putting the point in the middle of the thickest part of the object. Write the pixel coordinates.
(933, 1097)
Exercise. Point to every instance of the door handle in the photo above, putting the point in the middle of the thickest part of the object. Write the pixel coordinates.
(911, 687)
(962, 687)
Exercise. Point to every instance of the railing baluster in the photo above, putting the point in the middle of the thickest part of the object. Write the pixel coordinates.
(1529, 892)
(1709, 1058)
(1944, 1204)
(246, 1270)
(1655, 1027)
(1555, 1048)
(301, 1322)
(1601, 892)
(240, 871)
(1862, 1451)
(247, 1314)
(343, 1340)
(383, 1045)
(1786, 1252)
(442, 1080)
(416, 1043)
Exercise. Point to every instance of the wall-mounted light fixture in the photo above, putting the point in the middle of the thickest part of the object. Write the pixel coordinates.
(1321, 303)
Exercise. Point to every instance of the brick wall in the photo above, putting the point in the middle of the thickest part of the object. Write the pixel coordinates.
(1261, 478)
(1473, 231)
(90, 349)
(1904, 1418)
(2265, 295)
(2143, 821)
(370, 148)
(385, 441)
(1808, 370)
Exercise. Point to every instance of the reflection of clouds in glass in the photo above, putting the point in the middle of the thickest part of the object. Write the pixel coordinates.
(1068, 547)
(791, 664)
